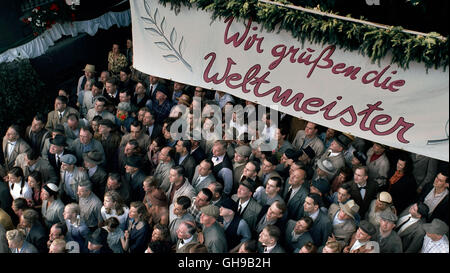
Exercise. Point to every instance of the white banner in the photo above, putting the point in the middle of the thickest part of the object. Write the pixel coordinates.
(406, 109)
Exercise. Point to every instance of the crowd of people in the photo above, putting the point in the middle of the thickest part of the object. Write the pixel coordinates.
(102, 173)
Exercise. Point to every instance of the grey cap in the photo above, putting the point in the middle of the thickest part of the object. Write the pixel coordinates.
(368, 228)
(210, 210)
(388, 215)
(326, 166)
(69, 159)
(124, 106)
(244, 150)
(437, 226)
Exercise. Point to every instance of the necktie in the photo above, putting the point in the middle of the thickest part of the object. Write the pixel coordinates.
(60, 116)
(182, 241)
(240, 209)
(402, 224)
(197, 181)
(151, 90)
(288, 196)
(265, 249)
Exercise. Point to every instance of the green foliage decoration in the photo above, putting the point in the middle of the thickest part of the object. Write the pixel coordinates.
(373, 42)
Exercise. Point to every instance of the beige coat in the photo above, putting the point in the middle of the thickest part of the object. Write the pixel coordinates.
(20, 147)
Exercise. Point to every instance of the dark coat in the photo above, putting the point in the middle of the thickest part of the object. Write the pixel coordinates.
(403, 192)
(188, 165)
(291, 245)
(441, 210)
(321, 229)
(295, 204)
(98, 180)
(38, 237)
(371, 193)
(198, 155)
(135, 183)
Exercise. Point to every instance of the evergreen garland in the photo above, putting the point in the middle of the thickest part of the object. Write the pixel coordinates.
(369, 41)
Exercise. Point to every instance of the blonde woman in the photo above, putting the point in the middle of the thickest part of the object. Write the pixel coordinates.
(113, 206)
(17, 243)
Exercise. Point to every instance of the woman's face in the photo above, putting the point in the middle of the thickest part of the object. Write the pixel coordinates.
(156, 235)
(32, 182)
(44, 194)
(108, 203)
(401, 165)
(14, 179)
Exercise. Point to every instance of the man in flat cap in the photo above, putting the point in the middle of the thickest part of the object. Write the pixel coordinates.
(378, 164)
(86, 143)
(410, 227)
(248, 207)
(70, 178)
(388, 238)
(110, 141)
(363, 240)
(236, 229)
(213, 233)
(241, 158)
(435, 240)
(90, 205)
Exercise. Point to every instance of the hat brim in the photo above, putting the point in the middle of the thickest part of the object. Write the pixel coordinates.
(322, 167)
(344, 209)
(90, 160)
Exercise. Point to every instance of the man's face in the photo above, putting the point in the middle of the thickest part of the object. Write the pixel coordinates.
(309, 206)
(310, 129)
(174, 177)
(199, 92)
(218, 150)
(112, 184)
(386, 226)
(439, 181)
(238, 158)
(110, 88)
(156, 235)
(343, 216)
(204, 169)
(293, 168)
(361, 235)
(243, 192)
(99, 106)
(133, 213)
(73, 123)
(300, 227)
(271, 187)
(178, 86)
(342, 195)
(135, 132)
(179, 147)
(153, 79)
(182, 232)
(380, 205)
(160, 96)
(66, 167)
(377, 149)
(83, 192)
(123, 97)
(201, 200)
(130, 169)
(335, 147)
(59, 105)
(360, 177)
(104, 130)
(273, 212)
(267, 167)
(12, 135)
(95, 91)
(178, 210)
(103, 76)
(129, 149)
(55, 233)
(297, 178)
(414, 212)
(123, 76)
(330, 133)
(85, 136)
(249, 170)
(206, 219)
(264, 237)
(139, 90)
(36, 125)
(164, 154)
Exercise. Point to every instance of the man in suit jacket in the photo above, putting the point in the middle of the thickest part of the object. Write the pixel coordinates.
(97, 174)
(99, 110)
(72, 127)
(362, 190)
(294, 195)
(110, 141)
(70, 178)
(322, 227)
(269, 240)
(241, 158)
(410, 227)
(31, 161)
(342, 217)
(36, 134)
(137, 134)
(223, 168)
(111, 93)
(378, 164)
(85, 144)
(150, 128)
(183, 158)
(309, 136)
(248, 208)
(203, 175)
(213, 232)
(36, 235)
(297, 234)
(197, 151)
(134, 177)
(335, 153)
(433, 192)
(12, 146)
(187, 235)
(161, 174)
(268, 169)
(90, 97)
(60, 114)
(56, 151)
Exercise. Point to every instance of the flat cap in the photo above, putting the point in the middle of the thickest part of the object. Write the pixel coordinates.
(210, 210)
(388, 215)
(385, 197)
(69, 159)
(244, 150)
(230, 204)
(368, 228)
(247, 184)
(322, 185)
(437, 226)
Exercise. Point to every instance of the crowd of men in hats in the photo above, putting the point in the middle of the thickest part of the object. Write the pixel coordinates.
(101, 173)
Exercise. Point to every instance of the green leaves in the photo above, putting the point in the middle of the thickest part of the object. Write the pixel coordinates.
(373, 42)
